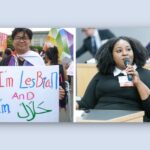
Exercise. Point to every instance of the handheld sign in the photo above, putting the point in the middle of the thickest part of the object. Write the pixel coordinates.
(29, 94)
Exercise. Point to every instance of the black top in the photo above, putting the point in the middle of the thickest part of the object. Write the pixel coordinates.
(104, 92)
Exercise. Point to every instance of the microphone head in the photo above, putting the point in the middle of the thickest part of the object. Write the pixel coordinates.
(126, 61)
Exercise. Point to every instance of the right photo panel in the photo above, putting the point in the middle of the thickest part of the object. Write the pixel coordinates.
(112, 74)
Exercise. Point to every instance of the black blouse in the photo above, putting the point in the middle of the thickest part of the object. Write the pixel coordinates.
(104, 92)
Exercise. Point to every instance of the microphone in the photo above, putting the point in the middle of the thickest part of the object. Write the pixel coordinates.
(127, 62)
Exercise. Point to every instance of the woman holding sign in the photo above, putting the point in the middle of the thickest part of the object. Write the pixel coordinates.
(121, 83)
(22, 55)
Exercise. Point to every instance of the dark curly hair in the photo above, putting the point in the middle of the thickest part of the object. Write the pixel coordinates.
(52, 54)
(104, 57)
(24, 30)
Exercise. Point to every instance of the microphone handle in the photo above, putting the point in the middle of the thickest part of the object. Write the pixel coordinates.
(129, 77)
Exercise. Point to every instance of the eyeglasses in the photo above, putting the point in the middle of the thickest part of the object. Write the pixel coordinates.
(18, 38)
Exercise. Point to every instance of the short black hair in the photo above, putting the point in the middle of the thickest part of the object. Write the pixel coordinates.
(53, 54)
(104, 57)
(24, 30)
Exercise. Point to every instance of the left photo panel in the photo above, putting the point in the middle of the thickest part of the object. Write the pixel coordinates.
(36, 74)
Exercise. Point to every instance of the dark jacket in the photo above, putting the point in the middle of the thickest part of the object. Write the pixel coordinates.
(87, 44)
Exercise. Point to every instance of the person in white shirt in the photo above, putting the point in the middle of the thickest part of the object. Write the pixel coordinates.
(22, 55)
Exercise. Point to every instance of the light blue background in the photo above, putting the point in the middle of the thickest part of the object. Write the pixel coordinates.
(66, 13)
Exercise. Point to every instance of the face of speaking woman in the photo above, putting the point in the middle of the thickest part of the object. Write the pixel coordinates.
(122, 50)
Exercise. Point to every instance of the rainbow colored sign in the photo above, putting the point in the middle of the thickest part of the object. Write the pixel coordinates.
(62, 39)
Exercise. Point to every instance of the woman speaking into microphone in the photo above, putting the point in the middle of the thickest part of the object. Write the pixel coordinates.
(121, 82)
